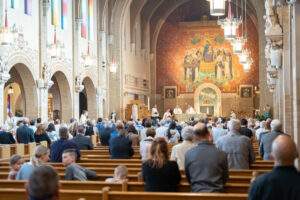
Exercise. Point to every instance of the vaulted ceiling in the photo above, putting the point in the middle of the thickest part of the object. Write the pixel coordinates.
(151, 15)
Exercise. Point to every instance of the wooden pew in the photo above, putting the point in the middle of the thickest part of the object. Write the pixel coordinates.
(126, 186)
(18, 194)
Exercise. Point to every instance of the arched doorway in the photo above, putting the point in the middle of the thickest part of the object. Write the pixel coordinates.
(207, 99)
(20, 93)
(87, 98)
(59, 99)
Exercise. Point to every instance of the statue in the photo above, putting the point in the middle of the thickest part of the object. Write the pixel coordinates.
(78, 83)
(272, 26)
(269, 7)
(46, 73)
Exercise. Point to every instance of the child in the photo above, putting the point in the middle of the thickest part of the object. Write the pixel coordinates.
(15, 163)
(120, 175)
(73, 170)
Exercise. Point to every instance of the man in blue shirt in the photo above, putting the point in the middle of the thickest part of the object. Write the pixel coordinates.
(62, 144)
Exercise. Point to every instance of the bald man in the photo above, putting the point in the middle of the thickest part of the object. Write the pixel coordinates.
(283, 182)
(206, 166)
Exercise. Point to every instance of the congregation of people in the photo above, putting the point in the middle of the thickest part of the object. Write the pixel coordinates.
(206, 149)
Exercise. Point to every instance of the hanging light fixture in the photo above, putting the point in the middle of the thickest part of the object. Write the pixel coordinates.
(89, 59)
(239, 42)
(56, 48)
(113, 67)
(230, 24)
(6, 35)
(217, 7)
(247, 64)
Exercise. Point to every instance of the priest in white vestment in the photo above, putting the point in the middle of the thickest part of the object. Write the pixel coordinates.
(134, 112)
(190, 110)
(154, 112)
(84, 117)
(232, 115)
(177, 110)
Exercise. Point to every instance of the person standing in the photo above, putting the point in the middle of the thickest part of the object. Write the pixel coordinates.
(267, 139)
(41, 135)
(237, 147)
(25, 135)
(120, 147)
(179, 150)
(82, 142)
(206, 166)
(62, 144)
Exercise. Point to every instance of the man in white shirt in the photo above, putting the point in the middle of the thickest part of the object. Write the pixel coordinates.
(179, 150)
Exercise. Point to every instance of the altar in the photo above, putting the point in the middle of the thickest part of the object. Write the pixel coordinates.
(187, 117)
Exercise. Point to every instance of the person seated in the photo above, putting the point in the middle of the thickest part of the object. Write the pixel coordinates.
(43, 184)
(15, 163)
(179, 150)
(146, 144)
(245, 130)
(238, 147)
(6, 137)
(73, 170)
(62, 144)
(120, 147)
(160, 174)
(283, 182)
(82, 142)
(267, 139)
(190, 110)
(41, 156)
(120, 175)
(206, 166)
(41, 135)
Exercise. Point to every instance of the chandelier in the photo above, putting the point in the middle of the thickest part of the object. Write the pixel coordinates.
(6, 35)
(56, 48)
(230, 24)
(217, 7)
(89, 59)
(113, 67)
(238, 44)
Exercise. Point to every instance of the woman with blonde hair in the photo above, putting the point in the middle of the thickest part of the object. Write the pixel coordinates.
(41, 135)
(159, 173)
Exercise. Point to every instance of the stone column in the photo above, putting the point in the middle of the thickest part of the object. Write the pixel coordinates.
(76, 69)
(44, 81)
(296, 71)
(4, 77)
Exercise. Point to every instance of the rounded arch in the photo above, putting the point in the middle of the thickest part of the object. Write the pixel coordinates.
(61, 95)
(90, 91)
(22, 75)
(197, 94)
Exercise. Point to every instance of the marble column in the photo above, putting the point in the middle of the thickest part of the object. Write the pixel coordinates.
(4, 77)
(43, 83)
(296, 72)
(76, 65)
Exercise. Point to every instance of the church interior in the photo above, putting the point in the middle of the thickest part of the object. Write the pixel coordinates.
(136, 59)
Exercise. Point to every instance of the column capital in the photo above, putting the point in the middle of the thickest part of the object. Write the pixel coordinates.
(4, 77)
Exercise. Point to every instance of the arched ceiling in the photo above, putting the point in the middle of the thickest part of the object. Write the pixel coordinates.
(153, 14)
